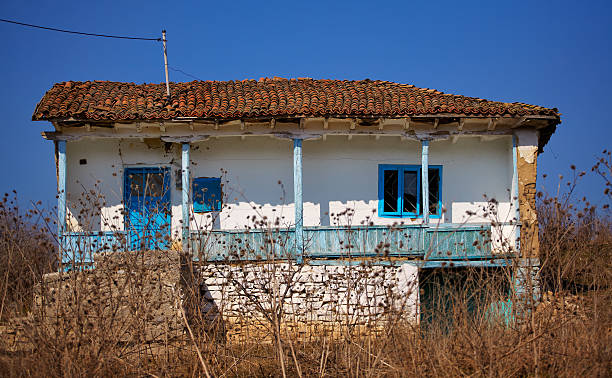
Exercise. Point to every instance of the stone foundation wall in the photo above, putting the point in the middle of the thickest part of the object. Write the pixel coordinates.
(309, 299)
(143, 296)
(133, 296)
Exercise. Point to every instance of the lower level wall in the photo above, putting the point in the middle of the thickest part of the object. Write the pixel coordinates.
(147, 296)
(152, 296)
(128, 297)
(251, 298)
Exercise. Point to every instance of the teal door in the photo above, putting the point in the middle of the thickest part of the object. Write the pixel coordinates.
(146, 196)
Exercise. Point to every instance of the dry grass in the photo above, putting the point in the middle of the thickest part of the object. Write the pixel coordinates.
(568, 333)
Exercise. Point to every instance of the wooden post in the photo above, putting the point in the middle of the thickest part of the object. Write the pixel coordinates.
(515, 194)
(425, 180)
(61, 192)
(185, 198)
(298, 200)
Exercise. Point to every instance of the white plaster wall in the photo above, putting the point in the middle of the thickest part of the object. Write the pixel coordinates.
(527, 144)
(338, 175)
(103, 174)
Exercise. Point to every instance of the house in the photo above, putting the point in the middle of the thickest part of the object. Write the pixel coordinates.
(343, 170)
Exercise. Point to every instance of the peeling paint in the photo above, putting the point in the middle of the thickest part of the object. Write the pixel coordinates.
(527, 171)
(528, 153)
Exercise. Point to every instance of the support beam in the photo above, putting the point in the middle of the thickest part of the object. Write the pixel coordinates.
(492, 124)
(185, 181)
(298, 200)
(515, 193)
(61, 190)
(519, 122)
(461, 124)
(407, 124)
(425, 179)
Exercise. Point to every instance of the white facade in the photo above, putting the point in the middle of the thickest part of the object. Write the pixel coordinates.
(257, 172)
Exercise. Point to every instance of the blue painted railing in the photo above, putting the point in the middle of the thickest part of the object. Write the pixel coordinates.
(79, 247)
(443, 242)
(450, 242)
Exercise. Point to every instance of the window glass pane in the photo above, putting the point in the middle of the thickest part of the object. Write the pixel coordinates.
(434, 191)
(136, 185)
(410, 191)
(207, 194)
(154, 185)
(391, 184)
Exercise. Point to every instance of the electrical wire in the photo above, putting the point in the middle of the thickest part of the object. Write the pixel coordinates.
(80, 33)
(99, 35)
(185, 73)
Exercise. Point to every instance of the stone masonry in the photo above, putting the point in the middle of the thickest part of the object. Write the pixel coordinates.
(132, 297)
(145, 297)
(527, 173)
(310, 299)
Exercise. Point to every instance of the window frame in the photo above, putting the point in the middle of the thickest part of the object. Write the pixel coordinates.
(401, 168)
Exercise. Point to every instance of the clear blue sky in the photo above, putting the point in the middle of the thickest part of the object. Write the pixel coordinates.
(549, 53)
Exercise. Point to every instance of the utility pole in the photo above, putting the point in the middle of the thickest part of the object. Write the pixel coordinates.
(166, 63)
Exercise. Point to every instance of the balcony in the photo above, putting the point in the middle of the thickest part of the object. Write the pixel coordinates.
(445, 242)
(448, 243)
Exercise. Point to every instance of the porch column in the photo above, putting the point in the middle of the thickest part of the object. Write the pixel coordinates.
(185, 197)
(515, 193)
(425, 180)
(61, 189)
(299, 205)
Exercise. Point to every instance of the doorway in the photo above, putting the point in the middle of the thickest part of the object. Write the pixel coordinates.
(146, 196)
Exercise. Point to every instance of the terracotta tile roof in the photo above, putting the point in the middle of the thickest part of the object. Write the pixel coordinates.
(270, 97)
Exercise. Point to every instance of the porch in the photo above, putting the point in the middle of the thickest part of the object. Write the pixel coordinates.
(422, 239)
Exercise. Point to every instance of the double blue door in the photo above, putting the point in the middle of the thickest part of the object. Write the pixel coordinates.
(146, 197)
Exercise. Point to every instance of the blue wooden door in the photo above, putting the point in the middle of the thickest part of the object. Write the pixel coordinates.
(146, 196)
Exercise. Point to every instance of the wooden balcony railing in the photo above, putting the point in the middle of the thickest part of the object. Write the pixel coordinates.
(443, 242)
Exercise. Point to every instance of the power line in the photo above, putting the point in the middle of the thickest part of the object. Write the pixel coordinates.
(99, 35)
(80, 33)
(185, 73)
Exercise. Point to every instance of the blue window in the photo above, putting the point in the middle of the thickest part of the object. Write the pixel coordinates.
(207, 195)
(399, 191)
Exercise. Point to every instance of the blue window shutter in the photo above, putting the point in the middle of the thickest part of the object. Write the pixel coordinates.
(207, 195)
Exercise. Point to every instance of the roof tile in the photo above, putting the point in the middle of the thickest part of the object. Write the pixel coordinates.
(266, 97)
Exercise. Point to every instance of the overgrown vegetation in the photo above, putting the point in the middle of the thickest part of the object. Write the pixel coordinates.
(473, 331)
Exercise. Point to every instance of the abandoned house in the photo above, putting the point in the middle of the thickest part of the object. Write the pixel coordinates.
(323, 173)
